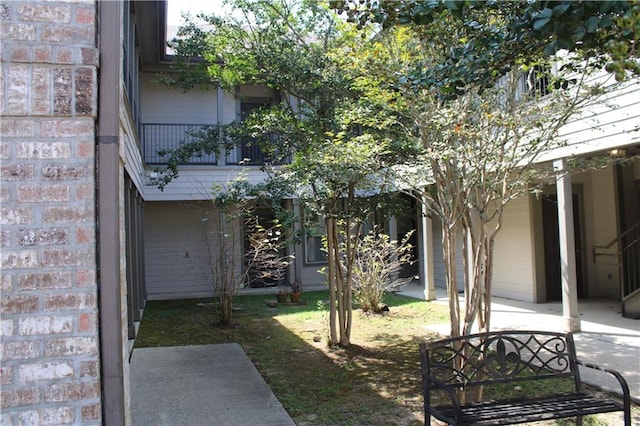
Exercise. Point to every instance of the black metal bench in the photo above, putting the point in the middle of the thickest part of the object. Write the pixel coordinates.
(511, 377)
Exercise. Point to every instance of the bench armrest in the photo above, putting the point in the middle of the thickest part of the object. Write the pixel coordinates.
(451, 391)
(623, 384)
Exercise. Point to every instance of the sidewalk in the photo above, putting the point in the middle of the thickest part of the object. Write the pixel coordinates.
(607, 339)
(200, 385)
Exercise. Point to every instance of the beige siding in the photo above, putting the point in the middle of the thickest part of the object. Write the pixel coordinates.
(176, 254)
(164, 105)
(161, 104)
(604, 277)
(514, 270)
(130, 151)
(610, 121)
(439, 271)
(196, 182)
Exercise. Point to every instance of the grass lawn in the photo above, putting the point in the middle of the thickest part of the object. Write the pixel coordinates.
(374, 381)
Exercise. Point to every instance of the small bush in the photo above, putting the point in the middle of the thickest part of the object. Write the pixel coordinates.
(377, 265)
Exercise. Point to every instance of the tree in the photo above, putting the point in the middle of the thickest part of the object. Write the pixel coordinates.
(230, 264)
(340, 152)
(480, 152)
(499, 34)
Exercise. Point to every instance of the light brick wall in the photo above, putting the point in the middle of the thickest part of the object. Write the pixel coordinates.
(50, 371)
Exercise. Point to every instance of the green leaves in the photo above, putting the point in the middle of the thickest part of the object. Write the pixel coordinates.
(542, 18)
(494, 36)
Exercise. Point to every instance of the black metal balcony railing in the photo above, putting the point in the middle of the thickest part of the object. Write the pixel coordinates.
(250, 154)
(157, 137)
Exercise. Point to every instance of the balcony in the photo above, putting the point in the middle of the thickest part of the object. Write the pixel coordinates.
(157, 137)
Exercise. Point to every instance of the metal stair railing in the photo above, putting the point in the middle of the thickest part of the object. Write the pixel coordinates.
(627, 257)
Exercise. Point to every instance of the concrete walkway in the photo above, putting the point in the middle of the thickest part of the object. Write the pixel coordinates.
(200, 385)
(607, 339)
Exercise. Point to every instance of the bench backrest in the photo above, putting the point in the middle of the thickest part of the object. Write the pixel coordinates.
(500, 357)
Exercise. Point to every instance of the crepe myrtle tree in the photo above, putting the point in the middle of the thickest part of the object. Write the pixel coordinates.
(455, 71)
(339, 149)
(481, 142)
(343, 183)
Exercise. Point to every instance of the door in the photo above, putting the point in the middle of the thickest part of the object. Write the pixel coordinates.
(552, 246)
(250, 151)
(266, 219)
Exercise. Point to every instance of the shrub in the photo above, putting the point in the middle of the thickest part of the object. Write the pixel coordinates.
(377, 265)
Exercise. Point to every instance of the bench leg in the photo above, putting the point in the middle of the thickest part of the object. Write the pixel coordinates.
(579, 421)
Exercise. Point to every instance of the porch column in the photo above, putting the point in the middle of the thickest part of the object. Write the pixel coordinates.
(425, 241)
(393, 236)
(567, 247)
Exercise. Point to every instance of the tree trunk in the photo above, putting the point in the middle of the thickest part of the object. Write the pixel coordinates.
(484, 319)
(449, 252)
(476, 253)
(226, 305)
(342, 295)
(333, 285)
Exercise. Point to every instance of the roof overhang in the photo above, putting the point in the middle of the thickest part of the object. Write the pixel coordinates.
(152, 33)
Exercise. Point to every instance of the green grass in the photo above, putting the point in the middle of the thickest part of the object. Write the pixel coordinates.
(374, 381)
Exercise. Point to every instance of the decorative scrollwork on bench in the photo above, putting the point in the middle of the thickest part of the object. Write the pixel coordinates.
(504, 356)
(455, 369)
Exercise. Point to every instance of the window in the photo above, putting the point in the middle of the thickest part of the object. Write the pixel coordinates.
(315, 232)
(538, 80)
(535, 81)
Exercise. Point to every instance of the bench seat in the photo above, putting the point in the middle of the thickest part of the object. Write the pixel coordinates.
(530, 410)
(510, 377)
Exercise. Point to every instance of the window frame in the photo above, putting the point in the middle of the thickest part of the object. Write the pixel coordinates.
(308, 226)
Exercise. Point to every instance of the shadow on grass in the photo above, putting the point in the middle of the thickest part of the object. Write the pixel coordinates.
(375, 380)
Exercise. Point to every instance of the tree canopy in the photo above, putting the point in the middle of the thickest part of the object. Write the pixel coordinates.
(339, 145)
(492, 37)
(432, 85)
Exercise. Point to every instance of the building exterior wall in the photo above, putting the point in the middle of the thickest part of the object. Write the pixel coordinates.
(176, 255)
(162, 104)
(607, 122)
(50, 370)
(600, 227)
(126, 386)
(165, 105)
(519, 273)
(439, 270)
(514, 268)
(604, 274)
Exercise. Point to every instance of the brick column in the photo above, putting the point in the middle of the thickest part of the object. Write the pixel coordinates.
(50, 370)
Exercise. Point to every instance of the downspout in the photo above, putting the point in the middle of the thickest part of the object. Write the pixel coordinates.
(108, 216)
